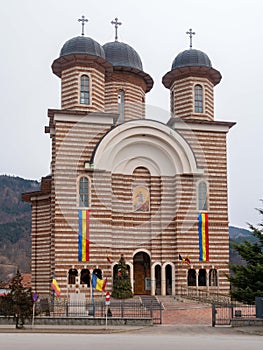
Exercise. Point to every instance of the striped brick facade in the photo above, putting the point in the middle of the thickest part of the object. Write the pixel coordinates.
(70, 88)
(134, 94)
(182, 98)
(159, 164)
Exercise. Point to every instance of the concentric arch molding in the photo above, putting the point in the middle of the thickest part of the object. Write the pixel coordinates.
(145, 143)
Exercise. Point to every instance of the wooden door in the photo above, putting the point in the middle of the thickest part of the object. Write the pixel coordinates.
(139, 279)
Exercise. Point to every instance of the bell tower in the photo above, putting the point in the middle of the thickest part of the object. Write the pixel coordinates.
(82, 66)
(191, 81)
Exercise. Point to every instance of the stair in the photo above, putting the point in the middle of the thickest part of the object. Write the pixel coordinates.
(150, 302)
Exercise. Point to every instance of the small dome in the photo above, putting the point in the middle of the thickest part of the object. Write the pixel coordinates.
(82, 45)
(191, 58)
(122, 55)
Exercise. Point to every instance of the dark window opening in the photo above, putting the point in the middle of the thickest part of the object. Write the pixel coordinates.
(202, 278)
(191, 279)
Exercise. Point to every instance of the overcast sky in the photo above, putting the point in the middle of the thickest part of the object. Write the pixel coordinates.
(229, 31)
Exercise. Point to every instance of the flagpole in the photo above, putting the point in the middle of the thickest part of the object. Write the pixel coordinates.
(92, 302)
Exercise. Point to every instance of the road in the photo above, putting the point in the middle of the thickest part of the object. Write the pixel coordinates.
(153, 338)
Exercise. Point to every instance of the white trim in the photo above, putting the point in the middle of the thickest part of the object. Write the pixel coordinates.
(89, 118)
(40, 198)
(181, 125)
(203, 98)
(77, 192)
(89, 75)
(145, 143)
(207, 195)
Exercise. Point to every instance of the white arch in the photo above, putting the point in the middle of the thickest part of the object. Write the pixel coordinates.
(145, 143)
(141, 250)
(164, 277)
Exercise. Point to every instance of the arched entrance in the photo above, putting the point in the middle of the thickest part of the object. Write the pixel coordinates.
(142, 273)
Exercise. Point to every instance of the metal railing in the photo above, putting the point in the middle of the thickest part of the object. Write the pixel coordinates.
(204, 295)
(223, 314)
(117, 309)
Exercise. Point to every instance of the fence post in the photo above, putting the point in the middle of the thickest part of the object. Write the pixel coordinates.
(161, 313)
(122, 310)
(213, 315)
(66, 308)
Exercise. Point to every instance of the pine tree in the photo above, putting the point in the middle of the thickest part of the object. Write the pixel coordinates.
(247, 280)
(121, 285)
(18, 302)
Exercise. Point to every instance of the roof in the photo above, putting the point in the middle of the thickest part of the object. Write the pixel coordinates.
(82, 45)
(191, 58)
(122, 55)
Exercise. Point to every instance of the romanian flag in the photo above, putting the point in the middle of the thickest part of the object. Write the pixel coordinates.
(55, 287)
(84, 235)
(98, 284)
(203, 237)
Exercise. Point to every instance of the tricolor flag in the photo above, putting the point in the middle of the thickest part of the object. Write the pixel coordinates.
(184, 260)
(55, 286)
(108, 259)
(98, 284)
(203, 237)
(83, 235)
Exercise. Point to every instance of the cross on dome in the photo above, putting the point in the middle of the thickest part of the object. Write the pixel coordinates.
(83, 20)
(190, 33)
(116, 27)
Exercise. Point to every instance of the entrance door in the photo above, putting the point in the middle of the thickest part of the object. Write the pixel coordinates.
(142, 273)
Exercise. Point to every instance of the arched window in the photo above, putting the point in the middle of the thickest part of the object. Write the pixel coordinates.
(98, 273)
(85, 277)
(83, 192)
(168, 277)
(191, 278)
(213, 278)
(172, 103)
(121, 106)
(202, 278)
(202, 196)
(84, 90)
(158, 279)
(72, 274)
(198, 93)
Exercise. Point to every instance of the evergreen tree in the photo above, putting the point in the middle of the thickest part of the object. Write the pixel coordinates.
(18, 302)
(122, 285)
(247, 280)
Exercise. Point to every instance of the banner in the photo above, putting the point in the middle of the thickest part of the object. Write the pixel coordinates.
(203, 237)
(83, 235)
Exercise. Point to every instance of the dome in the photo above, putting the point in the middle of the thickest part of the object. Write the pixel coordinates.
(82, 45)
(191, 58)
(122, 55)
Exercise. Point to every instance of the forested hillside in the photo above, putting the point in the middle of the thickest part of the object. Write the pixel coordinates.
(15, 218)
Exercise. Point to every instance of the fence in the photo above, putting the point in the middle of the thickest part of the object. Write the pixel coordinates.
(117, 309)
(224, 314)
(204, 295)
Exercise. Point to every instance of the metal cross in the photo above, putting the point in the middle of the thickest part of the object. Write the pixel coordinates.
(116, 27)
(190, 33)
(83, 20)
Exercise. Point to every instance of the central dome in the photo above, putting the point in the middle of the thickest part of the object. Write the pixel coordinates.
(82, 45)
(122, 55)
(191, 58)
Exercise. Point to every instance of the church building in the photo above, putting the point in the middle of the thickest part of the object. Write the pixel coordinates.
(121, 184)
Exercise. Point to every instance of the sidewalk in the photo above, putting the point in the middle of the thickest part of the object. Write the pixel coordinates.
(156, 329)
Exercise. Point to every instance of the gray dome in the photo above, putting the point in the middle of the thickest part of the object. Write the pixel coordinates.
(82, 45)
(122, 55)
(190, 58)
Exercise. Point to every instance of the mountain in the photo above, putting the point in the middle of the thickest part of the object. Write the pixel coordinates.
(15, 227)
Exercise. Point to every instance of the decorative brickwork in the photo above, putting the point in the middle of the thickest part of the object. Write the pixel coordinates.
(143, 183)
